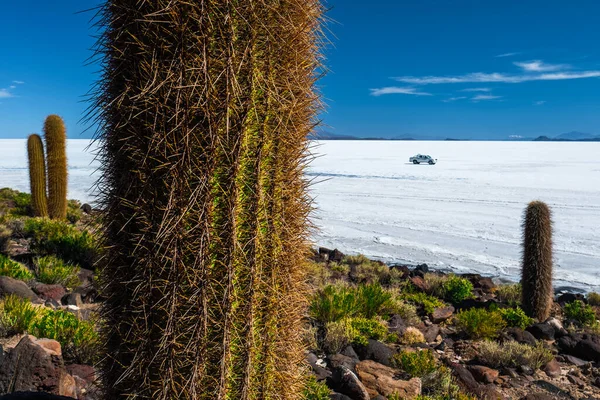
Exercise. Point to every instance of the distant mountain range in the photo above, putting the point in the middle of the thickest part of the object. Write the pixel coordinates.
(564, 137)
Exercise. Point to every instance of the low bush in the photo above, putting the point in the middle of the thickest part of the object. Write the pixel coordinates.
(456, 289)
(515, 317)
(14, 269)
(59, 238)
(512, 354)
(441, 385)
(16, 315)
(315, 390)
(412, 336)
(426, 302)
(365, 271)
(593, 299)
(479, 323)
(374, 300)
(14, 202)
(74, 212)
(416, 364)
(52, 270)
(582, 313)
(341, 333)
(509, 294)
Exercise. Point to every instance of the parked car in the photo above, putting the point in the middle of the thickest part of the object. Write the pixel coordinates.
(420, 158)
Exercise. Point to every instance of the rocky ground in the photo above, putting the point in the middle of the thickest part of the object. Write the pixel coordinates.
(367, 371)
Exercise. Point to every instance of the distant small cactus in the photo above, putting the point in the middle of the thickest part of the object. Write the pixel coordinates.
(537, 261)
(56, 149)
(37, 175)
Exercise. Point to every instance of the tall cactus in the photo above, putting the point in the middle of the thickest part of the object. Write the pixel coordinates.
(537, 261)
(56, 152)
(37, 175)
(205, 108)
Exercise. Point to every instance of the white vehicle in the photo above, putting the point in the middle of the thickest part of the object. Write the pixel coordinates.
(420, 158)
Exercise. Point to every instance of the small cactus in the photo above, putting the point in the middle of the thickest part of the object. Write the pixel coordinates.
(37, 175)
(537, 261)
(56, 148)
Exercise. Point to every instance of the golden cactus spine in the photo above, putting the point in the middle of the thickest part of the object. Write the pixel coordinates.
(37, 175)
(536, 277)
(206, 107)
(55, 135)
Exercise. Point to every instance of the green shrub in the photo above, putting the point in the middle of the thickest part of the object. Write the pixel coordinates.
(367, 271)
(457, 289)
(374, 300)
(16, 315)
(416, 364)
(315, 390)
(14, 269)
(74, 212)
(339, 334)
(512, 354)
(412, 336)
(515, 317)
(580, 312)
(333, 303)
(427, 302)
(479, 323)
(441, 385)
(593, 299)
(369, 328)
(52, 270)
(79, 339)
(61, 239)
(509, 294)
(19, 202)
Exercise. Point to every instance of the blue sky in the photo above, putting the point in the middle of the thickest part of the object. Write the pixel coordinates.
(421, 68)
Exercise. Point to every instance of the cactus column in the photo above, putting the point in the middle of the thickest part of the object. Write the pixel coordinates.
(536, 276)
(37, 175)
(56, 153)
(205, 108)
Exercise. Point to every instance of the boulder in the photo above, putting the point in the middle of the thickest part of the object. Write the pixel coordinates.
(338, 396)
(349, 352)
(483, 374)
(375, 351)
(86, 208)
(569, 298)
(467, 383)
(346, 382)
(441, 314)
(576, 361)
(552, 369)
(430, 333)
(320, 372)
(339, 360)
(18, 288)
(47, 292)
(584, 346)
(397, 325)
(542, 331)
(521, 336)
(381, 380)
(35, 365)
(72, 299)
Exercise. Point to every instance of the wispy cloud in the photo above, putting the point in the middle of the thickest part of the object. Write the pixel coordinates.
(539, 103)
(540, 66)
(5, 94)
(18, 82)
(451, 99)
(12, 87)
(481, 77)
(481, 89)
(398, 90)
(483, 97)
(507, 55)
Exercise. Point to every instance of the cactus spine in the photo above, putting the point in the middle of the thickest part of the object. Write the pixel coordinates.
(56, 152)
(536, 276)
(205, 108)
(37, 175)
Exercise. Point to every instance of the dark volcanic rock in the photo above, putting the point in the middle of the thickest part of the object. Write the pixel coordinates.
(86, 208)
(483, 374)
(397, 325)
(47, 292)
(542, 331)
(346, 382)
(584, 346)
(569, 298)
(552, 369)
(521, 336)
(33, 396)
(375, 351)
(430, 333)
(441, 314)
(339, 360)
(18, 288)
(339, 396)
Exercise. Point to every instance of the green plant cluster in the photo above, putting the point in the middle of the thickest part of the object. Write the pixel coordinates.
(52, 270)
(14, 269)
(14, 203)
(513, 354)
(347, 331)
(593, 299)
(59, 238)
(580, 312)
(510, 294)
(415, 363)
(78, 338)
(515, 317)
(479, 323)
(315, 390)
(427, 302)
(457, 289)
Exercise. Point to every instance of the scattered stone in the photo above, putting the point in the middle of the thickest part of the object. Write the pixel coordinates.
(422, 268)
(569, 298)
(538, 396)
(542, 331)
(441, 314)
(521, 336)
(336, 256)
(483, 374)
(397, 325)
(525, 370)
(346, 382)
(468, 383)
(72, 299)
(320, 373)
(18, 248)
(47, 292)
(578, 362)
(33, 396)
(552, 369)
(430, 333)
(375, 351)
(339, 396)
(349, 352)
(584, 346)
(575, 380)
(85, 372)
(381, 380)
(553, 389)
(86, 208)
(339, 360)
(18, 288)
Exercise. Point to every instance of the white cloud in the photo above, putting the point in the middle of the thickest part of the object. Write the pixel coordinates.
(398, 90)
(507, 55)
(540, 66)
(5, 94)
(18, 82)
(481, 77)
(454, 99)
(12, 87)
(539, 103)
(482, 89)
(481, 97)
